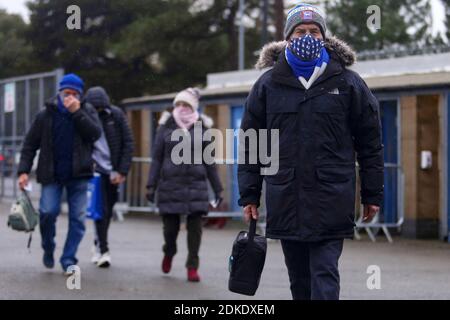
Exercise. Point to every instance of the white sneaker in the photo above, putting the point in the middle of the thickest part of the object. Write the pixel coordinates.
(104, 261)
(95, 255)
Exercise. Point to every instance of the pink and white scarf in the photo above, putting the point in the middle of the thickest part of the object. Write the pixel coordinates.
(185, 117)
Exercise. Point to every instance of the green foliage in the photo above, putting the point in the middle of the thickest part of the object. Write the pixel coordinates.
(447, 17)
(136, 47)
(403, 22)
(88, 51)
(14, 53)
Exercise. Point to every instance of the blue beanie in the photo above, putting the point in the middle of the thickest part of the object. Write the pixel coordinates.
(72, 81)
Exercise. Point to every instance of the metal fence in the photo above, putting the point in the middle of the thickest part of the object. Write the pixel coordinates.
(391, 215)
(21, 98)
(133, 192)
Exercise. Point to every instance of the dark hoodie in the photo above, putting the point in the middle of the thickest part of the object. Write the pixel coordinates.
(321, 130)
(115, 126)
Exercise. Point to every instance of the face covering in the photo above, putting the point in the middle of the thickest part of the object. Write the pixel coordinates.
(306, 54)
(307, 48)
(185, 117)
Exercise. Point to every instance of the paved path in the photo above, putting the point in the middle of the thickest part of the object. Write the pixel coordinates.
(409, 269)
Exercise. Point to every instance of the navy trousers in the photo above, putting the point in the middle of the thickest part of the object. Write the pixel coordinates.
(313, 269)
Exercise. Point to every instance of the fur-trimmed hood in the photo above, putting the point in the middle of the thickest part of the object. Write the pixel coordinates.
(166, 115)
(270, 52)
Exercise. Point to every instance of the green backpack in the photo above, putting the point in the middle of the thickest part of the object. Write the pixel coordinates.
(23, 216)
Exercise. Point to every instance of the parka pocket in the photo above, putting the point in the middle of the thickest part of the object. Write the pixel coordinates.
(282, 177)
(281, 201)
(329, 125)
(282, 115)
(328, 105)
(333, 174)
(335, 196)
(280, 104)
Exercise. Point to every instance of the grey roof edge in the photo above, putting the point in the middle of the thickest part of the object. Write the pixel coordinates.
(408, 80)
(205, 94)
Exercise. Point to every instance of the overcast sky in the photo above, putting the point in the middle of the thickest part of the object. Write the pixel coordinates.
(15, 6)
(18, 6)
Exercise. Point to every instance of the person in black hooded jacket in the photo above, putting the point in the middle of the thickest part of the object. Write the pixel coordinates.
(327, 119)
(113, 155)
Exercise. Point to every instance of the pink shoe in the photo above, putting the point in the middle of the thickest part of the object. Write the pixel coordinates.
(193, 275)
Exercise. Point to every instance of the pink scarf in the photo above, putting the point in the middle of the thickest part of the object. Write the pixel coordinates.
(185, 117)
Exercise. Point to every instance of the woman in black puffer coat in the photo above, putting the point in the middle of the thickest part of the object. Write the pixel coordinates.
(182, 189)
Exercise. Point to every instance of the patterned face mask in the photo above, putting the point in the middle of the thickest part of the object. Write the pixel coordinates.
(307, 48)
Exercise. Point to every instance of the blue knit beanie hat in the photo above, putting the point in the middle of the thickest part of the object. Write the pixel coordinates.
(72, 81)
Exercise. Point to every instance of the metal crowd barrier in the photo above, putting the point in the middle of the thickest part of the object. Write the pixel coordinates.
(133, 199)
(133, 193)
(395, 177)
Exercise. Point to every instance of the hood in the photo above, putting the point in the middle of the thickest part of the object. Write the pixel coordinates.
(51, 103)
(270, 52)
(166, 115)
(98, 97)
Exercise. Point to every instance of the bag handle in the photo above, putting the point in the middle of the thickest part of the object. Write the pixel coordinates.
(30, 238)
(25, 193)
(252, 230)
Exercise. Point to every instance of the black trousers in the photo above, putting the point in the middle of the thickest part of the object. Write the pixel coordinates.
(313, 269)
(110, 195)
(171, 228)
